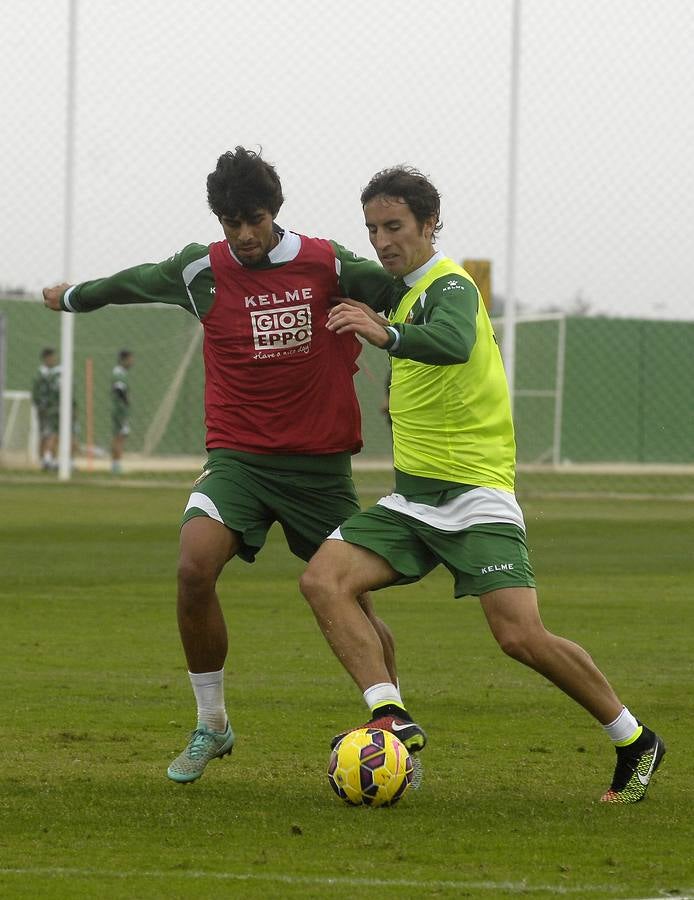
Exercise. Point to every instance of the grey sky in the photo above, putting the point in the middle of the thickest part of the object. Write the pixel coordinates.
(335, 91)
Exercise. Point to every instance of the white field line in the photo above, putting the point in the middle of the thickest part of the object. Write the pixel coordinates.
(509, 887)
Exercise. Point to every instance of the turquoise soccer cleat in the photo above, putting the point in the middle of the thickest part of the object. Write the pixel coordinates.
(204, 745)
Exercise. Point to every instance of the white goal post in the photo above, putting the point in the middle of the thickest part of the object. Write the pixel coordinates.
(19, 439)
(538, 378)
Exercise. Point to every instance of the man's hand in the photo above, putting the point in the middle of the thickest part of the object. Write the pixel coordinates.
(53, 295)
(351, 315)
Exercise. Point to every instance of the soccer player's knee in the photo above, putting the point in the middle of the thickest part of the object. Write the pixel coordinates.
(515, 643)
(194, 576)
(323, 579)
(314, 582)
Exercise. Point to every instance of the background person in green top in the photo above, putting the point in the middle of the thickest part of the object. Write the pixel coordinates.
(120, 408)
(45, 395)
(454, 453)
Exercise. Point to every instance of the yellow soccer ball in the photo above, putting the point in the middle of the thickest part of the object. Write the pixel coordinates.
(370, 767)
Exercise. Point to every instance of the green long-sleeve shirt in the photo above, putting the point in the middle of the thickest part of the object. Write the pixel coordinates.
(186, 280)
(441, 330)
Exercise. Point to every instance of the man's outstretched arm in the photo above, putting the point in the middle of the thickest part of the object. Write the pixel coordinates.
(173, 281)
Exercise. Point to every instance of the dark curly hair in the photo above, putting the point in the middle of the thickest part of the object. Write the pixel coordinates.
(242, 183)
(408, 184)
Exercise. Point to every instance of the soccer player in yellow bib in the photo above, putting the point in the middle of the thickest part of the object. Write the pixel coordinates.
(454, 502)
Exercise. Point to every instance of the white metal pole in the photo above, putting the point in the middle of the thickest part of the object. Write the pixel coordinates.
(67, 322)
(509, 339)
(559, 392)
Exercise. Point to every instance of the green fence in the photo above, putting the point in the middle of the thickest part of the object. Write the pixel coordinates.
(166, 380)
(597, 390)
(589, 391)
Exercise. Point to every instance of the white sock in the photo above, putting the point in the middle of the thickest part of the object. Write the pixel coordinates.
(624, 727)
(208, 688)
(378, 694)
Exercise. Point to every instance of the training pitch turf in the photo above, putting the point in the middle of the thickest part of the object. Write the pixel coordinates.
(96, 702)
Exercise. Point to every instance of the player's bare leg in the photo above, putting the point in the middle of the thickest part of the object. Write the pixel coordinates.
(515, 622)
(385, 635)
(205, 547)
(514, 618)
(335, 580)
(117, 447)
(49, 451)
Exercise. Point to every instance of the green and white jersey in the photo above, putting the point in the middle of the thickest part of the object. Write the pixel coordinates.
(449, 400)
(120, 390)
(45, 391)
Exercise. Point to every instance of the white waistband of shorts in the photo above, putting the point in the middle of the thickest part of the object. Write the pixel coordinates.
(479, 506)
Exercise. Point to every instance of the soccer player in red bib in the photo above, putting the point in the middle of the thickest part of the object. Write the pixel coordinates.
(281, 411)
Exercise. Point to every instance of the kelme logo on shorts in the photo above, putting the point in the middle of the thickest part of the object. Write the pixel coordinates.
(496, 567)
(280, 329)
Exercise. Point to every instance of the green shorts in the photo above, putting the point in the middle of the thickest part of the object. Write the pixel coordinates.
(49, 423)
(120, 424)
(248, 495)
(481, 558)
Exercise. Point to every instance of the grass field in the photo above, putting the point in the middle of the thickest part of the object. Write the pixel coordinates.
(96, 702)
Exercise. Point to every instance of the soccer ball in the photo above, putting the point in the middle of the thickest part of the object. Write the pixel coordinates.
(370, 767)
